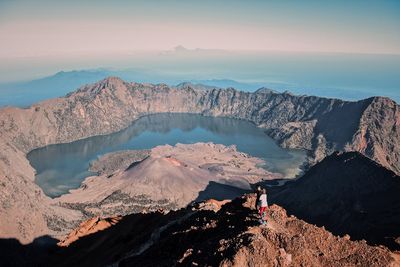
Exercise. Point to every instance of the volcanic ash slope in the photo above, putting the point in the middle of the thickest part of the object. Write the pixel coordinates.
(170, 177)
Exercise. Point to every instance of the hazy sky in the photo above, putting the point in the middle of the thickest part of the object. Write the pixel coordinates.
(39, 28)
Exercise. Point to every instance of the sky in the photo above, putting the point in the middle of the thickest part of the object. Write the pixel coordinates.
(62, 28)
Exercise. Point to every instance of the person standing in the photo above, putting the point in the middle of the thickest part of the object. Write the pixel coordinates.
(258, 192)
(263, 207)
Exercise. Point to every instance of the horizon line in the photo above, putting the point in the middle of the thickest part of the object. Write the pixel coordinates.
(173, 51)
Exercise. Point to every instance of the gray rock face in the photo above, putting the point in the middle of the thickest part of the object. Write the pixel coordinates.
(321, 125)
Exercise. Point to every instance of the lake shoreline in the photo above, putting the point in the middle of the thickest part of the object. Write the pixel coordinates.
(61, 162)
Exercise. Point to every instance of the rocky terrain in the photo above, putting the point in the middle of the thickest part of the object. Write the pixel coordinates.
(167, 177)
(211, 234)
(348, 194)
(320, 125)
(109, 163)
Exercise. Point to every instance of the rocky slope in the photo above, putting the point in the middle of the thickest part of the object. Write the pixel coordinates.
(348, 194)
(320, 125)
(109, 163)
(229, 235)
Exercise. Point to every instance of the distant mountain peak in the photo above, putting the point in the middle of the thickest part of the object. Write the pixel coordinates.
(384, 100)
(109, 83)
(180, 48)
(197, 86)
(266, 90)
(112, 80)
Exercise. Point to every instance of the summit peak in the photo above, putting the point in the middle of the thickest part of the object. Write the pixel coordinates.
(112, 80)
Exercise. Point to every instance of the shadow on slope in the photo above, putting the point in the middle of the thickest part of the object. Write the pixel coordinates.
(198, 238)
(219, 191)
(105, 247)
(98, 249)
(13, 253)
(348, 194)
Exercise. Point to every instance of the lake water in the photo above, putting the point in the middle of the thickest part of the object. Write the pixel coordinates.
(62, 167)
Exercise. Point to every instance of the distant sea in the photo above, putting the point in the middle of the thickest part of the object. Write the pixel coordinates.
(336, 75)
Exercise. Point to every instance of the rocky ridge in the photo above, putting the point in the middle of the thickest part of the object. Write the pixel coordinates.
(230, 235)
(320, 125)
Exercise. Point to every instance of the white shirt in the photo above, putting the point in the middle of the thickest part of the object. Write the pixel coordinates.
(263, 200)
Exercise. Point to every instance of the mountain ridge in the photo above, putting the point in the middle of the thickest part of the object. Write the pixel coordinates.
(319, 125)
(217, 233)
(363, 194)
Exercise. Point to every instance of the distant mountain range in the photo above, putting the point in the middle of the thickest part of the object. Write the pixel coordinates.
(23, 94)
